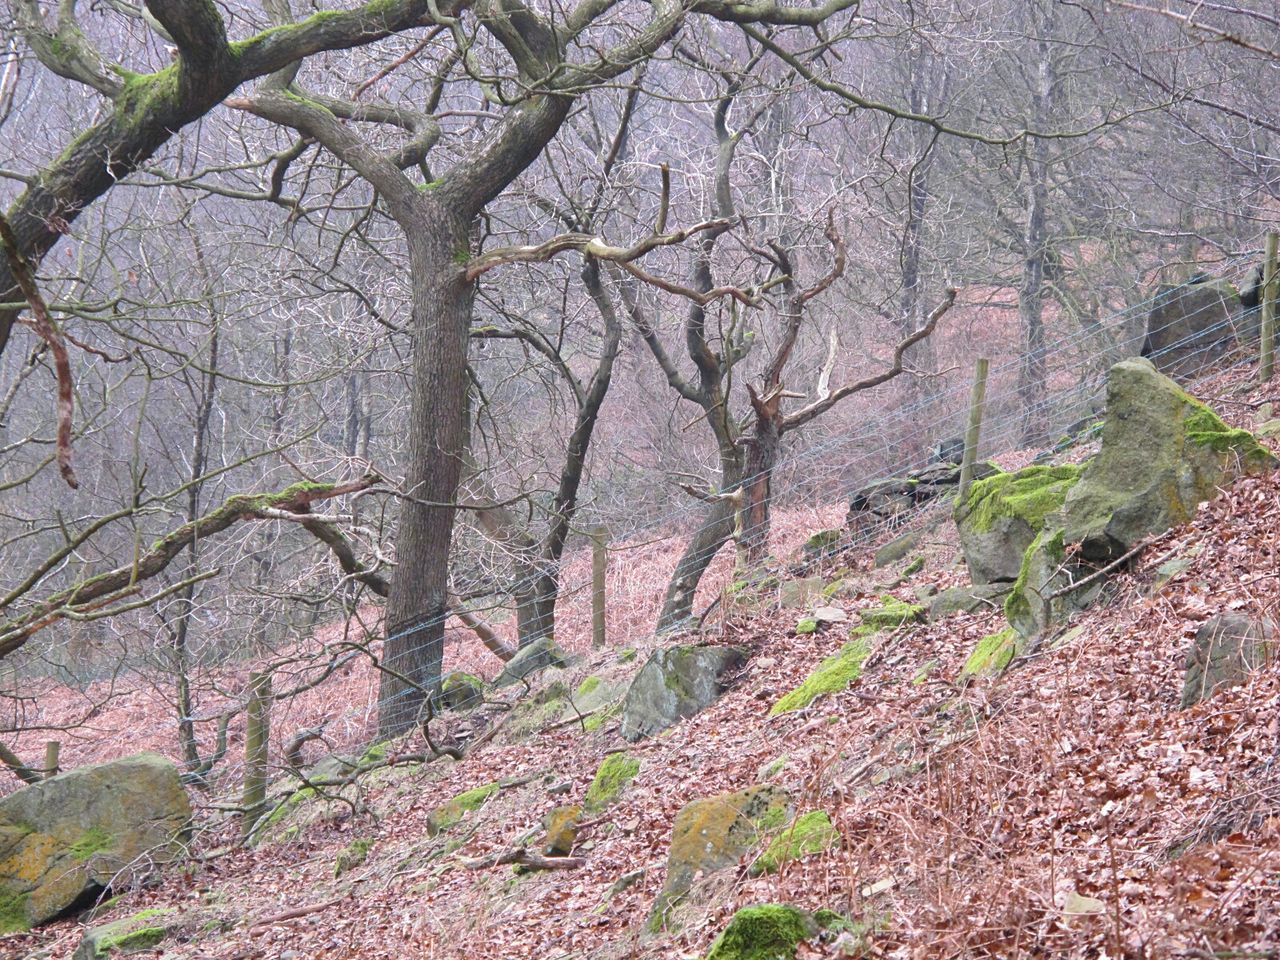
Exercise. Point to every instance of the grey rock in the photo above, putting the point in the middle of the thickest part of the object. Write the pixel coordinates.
(67, 838)
(1190, 326)
(674, 684)
(897, 548)
(967, 599)
(1225, 650)
(534, 658)
(1163, 453)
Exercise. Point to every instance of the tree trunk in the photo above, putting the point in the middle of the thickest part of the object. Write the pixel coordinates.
(714, 533)
(762, 457)
(1034, 372)
(418, 600)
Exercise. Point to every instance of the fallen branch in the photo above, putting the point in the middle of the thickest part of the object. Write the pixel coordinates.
(1100, 572)
(296, 912)
(523, 858)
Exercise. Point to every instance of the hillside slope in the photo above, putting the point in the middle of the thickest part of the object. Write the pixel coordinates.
(1069, 807)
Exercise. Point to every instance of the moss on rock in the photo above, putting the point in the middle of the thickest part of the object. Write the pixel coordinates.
(1030, 495)
(711, 834)
(352, 855)
(892, 613)
(993, 654)
(134, 934)
(764, 932)
(615, 772)
(834, 674)
(808, 834)
(13, 912)
(450, 813)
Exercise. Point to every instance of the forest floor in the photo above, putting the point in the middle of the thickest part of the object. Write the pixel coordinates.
(1068, 808)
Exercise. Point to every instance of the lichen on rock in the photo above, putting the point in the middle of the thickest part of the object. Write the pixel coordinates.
(712, 834)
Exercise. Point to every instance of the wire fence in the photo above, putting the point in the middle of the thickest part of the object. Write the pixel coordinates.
(858, 459)
(885, 449)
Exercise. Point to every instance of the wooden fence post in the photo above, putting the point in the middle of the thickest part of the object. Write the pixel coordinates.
(51, 750)
(257, 738)
(599, 566)
(974, 432)
(1267, 349)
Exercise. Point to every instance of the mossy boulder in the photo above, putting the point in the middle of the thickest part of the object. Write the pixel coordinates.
(134, 934)
(808, 834)
(450, 813)
(562, 830)
(1004, 513)
(461, 691)
(615, 772)
(823, 543)
(764, 932)
(531, 659)
(993, 654)
(1163, 453)
(712, 834)
(68, 838)
(676, 683)
(1226, 649)
(352, 855)
(891, 614)
(834, 674)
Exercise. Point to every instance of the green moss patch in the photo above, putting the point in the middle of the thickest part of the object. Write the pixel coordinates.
(765, 932)
(94, 840)
(806, 625)
(587, 687)
(808, 834)
(993, 654)
(617, 770)
(892, 613)
(834, 674)
(352, 855)
(13, 913)
(1205, 428)
(449, 814)
(1030, 494)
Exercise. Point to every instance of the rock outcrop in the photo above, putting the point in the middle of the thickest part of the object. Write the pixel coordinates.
(1163, 453)
(676, 683)
(1191, 326)
(1003, 514)
(65, 840)
(886, 502)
